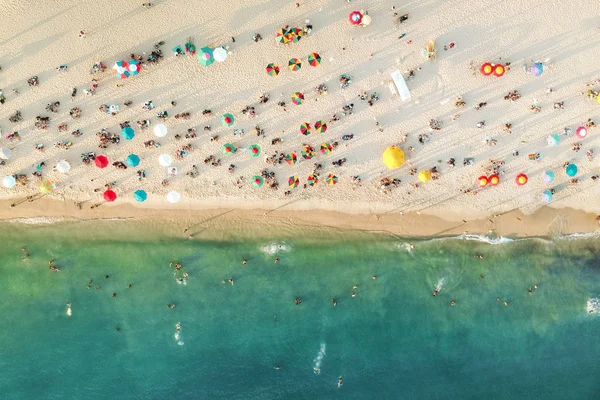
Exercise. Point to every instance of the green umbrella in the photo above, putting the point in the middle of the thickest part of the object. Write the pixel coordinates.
(254, 150)
(228, 148)
(256, 181)
(227, 119)
(205, 56)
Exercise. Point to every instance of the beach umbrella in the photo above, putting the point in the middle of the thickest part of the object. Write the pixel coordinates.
(281, 36)
(331, 179)
(227, 119)
(47, 187)
(273, 69)
(291, 158)
(548, 176)
(121, 69)
(314, 59)
(320, 127)
(256, 181)
(173, 197)
(132, 160)
(482, 181)
(493, 180)
(424, 176)
(293, 182)
(160, 130)
(355, 17)
(140, 196)
(5, 153)
(295, 34)
(313, 179)
(205, 56)
(547, 196)
(134, 67)
(254, 150)
(228, 148)
(63, 166)
(297, 98)
(571, 170)
(294, 64)
(325, 148)
(9, 181)
(101, 161)
(110, 195)
(308, 153)
(220, 54)
(127, 133)
(553, 140)
(536, 69)
(165, 160)
(305, 128)
(393, 157)
(499, 70)
(366, 20)
(581, 132)
(521, 179)
(486, 69)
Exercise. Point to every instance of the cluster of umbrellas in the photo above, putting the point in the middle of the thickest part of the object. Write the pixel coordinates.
(290, 35)
(294, 64)
(488, 69)
(359, 18)
(207, 56)
(124, 69)
(319, 126)
(491, 180)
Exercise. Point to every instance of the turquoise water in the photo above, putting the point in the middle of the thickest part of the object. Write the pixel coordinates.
(394, 340)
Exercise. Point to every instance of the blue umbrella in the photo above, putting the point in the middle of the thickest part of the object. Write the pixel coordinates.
(128, 133)
(133, 160)
(548, 176)
(547, 196)
(140, 196)
(553, 140)
(571, 170)
(536, 69)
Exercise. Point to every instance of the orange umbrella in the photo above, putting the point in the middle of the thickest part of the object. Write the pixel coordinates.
(486, 69)
(499, 70)
(482, 181)
(494, 180)
(521, 179)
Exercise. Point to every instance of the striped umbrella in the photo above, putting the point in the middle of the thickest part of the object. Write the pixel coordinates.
(308, 152)
(273, 69)
(256, 181)
(331, 179)
(254, 150)
(305, 128)
(313, 179)
(134, 67)
(47, 187)
(314, 59)
(228, 148)
(121, 69)
(294, 64)
(281, 36)
(127, 133)
(205, 56)
(291, 158)
(320, 127)
(326, 148)
(227, 119)
(293, 182)
(297, 98)
(296, 34)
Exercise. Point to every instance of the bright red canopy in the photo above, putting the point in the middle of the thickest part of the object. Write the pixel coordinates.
(101, 161)
(110, 195)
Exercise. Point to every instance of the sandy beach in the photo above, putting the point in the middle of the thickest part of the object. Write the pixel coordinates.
(36, 39)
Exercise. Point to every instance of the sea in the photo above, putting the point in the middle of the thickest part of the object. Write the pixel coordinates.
(511, 318)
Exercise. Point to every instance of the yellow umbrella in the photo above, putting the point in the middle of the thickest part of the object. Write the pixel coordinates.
(393, 157)
(424, 176)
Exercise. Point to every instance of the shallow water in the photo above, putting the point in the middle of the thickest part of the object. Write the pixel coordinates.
(393, 340)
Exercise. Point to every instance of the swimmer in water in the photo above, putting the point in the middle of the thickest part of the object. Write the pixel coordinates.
(353, 294)
(478, 256)
(497, 298)
(114, 295)
(374, 277)
(117, 329)
(129, 286)
(412, 246)
(340, 381)
(231, 281)
(334, 301)
(276, 260)
(170, 305)
(435, 292)
(298, 301)
(244, 261)
(506, 303)
(178, 326)
(530, 290)
(452, 303)
(277, 367)
(481, 276)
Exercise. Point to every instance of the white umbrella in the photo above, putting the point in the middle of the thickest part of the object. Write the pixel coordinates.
(63, 166)
(165, 160)
(160, 130)
(366, 20)
(5, 153)
(220, 54)
(173, 197)
(9, 181)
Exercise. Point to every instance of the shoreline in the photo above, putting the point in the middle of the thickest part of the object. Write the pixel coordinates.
(216, 221)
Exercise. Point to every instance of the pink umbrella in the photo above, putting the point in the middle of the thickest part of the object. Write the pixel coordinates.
(581, 132)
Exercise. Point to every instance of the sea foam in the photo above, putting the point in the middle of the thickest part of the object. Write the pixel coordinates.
(274, 248)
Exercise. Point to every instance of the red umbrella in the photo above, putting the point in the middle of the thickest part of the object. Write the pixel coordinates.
(101, 161)
(110, 195)
(486, 69)
(521, 179)
(499, 70)
(355, 17)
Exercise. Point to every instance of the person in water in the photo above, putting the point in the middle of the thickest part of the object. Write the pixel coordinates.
(334, 301)
(298, 301)
(276, 260)
(244, 261)
(435, 292)
(340, 381)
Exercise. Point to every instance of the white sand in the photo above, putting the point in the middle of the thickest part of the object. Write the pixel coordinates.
(38, 36)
